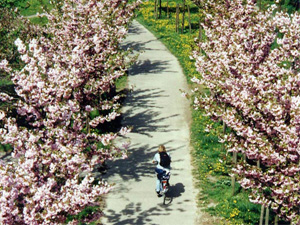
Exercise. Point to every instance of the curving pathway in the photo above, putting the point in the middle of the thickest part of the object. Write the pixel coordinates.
(159, 115)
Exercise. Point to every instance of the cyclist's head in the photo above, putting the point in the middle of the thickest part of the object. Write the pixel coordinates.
(162, 148)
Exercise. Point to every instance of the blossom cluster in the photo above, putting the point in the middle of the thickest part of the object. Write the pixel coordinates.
(69, 71)
(250, 64)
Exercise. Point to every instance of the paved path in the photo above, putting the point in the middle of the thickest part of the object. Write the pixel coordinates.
(159, 115)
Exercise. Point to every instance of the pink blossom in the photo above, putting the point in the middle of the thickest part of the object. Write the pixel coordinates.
(67, 73)
(4, 66)
(20, 45)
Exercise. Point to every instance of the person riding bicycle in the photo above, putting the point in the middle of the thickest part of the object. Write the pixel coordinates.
(162, 159)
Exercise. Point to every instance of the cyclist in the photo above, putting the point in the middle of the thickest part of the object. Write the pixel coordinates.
(162, 159)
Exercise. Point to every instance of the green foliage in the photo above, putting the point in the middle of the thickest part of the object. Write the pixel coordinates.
(12, 26)
(5, 148)
(121, 83)
(237, 209)
(289, 5)
(8, 33)
(39, 20)
(94, 114)
(11, 4)
(84, 215)
(31, 7)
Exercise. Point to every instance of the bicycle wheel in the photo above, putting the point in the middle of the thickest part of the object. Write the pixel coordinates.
(164, 199)
(167, 199)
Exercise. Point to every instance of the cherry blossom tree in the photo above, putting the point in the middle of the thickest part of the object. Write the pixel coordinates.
(250, 65)
(67, 78)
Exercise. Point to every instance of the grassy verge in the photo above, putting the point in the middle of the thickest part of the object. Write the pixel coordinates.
(212, 164)
(31, 7)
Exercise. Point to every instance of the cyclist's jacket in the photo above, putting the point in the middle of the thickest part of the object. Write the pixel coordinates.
(157, 158)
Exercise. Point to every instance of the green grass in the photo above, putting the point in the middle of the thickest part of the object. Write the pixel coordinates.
(84, 215)
(212, 166)
(5, 148)
(39, 20)
(31, 7)
(121, 83)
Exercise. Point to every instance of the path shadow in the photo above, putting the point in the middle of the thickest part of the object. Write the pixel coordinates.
(147, 66)
(142, 114)
(135, 215)
(138, 46)
(135, 29)
(176, 190)
(137, 165)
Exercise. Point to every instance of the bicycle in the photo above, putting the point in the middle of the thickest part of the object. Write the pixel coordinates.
(165, 186)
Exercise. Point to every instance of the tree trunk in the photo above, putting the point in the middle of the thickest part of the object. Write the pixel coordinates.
(267, 216)
(200, 31)
(233, 185)
(177, 18)
(155, 9)
(88, 125)
(234, 160)
(189, 12)
(262, 210)
(276, 220)
(159, 9)
(234, 157)
(168, 16)
(183, 14)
